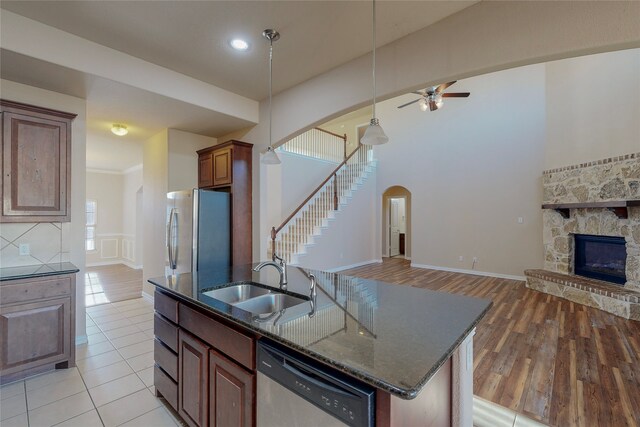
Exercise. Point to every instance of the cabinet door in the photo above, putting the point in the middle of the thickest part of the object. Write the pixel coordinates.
(222, 167)
(36, 162)
(34, 334)
(205, 170)
(193, 380)
(231, 393)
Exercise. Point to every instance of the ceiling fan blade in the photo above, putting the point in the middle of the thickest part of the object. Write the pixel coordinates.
(409, 103)
(443, 86)
(456, 95)
(417, 92)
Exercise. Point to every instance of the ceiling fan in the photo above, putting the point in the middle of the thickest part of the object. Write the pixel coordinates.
(432, 98)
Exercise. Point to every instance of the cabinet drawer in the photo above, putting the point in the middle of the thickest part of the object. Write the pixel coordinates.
(35, 289)
(235, 344)
(166, 306)
(166, 332)
(166, 386)
(166, 359)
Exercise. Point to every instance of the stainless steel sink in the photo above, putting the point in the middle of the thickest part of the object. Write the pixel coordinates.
(269, 303)
(236, 294)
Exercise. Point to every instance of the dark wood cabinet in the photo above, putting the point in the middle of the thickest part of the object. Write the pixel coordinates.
(37, 326)
(205, 170)
(193, 383)
(214, 383)
(231, 393)
(227, 167)
(36, 163)
(222, 167)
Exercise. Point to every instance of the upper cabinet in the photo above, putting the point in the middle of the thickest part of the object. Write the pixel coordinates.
(36, 163)
(227, 167)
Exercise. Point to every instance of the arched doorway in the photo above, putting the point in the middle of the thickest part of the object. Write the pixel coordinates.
(396, 223)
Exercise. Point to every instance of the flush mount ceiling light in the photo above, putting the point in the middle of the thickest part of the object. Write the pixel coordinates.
(239, 44)
(118, 129)
(374, 135)
(270, 157)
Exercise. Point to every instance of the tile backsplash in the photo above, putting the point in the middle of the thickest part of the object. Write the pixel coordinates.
(48, 243)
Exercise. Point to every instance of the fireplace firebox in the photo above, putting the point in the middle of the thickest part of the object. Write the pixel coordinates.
(601, 257)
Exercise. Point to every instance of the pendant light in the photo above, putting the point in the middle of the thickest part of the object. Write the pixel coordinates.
(270, 157)
(374, 135)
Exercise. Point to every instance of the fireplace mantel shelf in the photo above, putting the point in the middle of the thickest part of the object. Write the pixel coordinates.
(619, 207)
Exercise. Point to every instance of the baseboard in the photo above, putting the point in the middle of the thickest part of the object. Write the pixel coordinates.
(132, 265)
(114, 262)
(358, 264)
(473, 272)
(147, 296)
(81, 339)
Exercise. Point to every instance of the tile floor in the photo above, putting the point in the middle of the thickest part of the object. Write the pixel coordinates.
(111, 283)
(111, 385)
(489, 414)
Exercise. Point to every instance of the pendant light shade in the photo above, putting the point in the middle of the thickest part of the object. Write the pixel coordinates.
(374, 135)
(270, 157)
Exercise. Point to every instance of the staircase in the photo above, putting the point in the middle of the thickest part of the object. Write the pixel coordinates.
(306, 223)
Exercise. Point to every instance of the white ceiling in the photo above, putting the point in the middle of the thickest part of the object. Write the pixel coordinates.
(192, 37)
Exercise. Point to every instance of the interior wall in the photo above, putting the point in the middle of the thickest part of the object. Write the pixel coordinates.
(183, 159)
(351, 238)
(300, 175)
(395, 191)
(156, 183)
(473, 168)
(107, 190)
(131, 210)
(349, 127)
(486, 37)
(594, 108)
(71, 233)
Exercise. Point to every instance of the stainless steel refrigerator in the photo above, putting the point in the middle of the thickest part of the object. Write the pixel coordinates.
(198, 231)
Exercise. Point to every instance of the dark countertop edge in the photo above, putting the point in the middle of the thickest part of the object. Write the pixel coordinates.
(406, 394)
(72, 270)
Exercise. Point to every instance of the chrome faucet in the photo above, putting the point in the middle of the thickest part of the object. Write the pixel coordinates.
(279, 265)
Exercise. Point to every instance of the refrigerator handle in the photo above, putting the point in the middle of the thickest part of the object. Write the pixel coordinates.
(174, 250)
(172, 264)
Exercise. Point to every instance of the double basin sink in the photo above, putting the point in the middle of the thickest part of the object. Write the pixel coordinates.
(255, 299)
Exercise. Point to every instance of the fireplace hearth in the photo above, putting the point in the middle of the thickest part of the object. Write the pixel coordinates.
(600, 257)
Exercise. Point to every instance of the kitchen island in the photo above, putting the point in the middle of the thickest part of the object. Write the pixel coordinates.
(413, 346)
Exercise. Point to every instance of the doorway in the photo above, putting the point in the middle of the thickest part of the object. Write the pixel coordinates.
(397, 226)
(396, 222)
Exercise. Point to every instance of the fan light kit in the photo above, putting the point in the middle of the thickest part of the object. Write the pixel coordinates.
(432, 98)
(270, 157)
(118, 129)
(374, 135)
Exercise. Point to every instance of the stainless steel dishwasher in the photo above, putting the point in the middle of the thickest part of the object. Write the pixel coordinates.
(293, 390)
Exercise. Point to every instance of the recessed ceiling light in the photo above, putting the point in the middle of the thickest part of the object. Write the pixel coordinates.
(120, 130)
(239, 44)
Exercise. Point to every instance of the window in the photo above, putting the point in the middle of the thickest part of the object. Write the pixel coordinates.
(90, 229)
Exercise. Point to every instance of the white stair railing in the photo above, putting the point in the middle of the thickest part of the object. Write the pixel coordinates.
(318, 143)
(300, 226)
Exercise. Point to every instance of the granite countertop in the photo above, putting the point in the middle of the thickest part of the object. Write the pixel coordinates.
(392, 337)
(31, 271)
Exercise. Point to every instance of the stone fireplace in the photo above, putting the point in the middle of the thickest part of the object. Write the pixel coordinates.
(585, 191)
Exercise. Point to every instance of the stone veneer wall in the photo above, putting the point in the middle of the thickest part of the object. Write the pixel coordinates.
(616, 178)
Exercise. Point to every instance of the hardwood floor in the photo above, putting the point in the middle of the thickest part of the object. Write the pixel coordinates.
(553, 360)
(111, 283)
